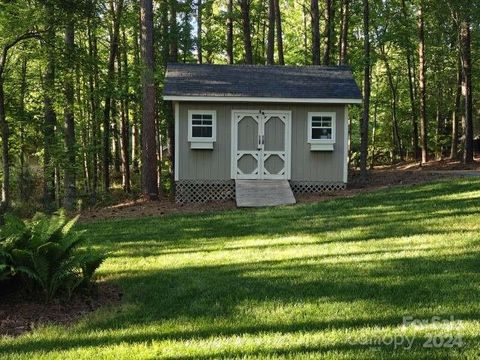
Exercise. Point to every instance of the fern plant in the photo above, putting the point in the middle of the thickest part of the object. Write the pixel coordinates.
(5, 270)
(48, 253)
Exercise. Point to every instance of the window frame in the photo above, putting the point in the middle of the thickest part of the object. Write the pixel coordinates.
(211, 139)
(332, 115)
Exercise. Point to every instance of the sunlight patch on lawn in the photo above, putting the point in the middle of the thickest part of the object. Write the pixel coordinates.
(363, 341)
(310, 281)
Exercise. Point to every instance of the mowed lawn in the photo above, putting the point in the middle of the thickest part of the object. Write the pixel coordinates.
(329, 280)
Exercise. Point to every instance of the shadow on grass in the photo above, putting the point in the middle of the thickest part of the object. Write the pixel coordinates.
(418, 287)
(419, 210)
(208, 299)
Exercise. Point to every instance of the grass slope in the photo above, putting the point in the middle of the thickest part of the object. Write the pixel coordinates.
(318, 280)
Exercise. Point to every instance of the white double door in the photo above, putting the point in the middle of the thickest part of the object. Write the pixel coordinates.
(261, 144)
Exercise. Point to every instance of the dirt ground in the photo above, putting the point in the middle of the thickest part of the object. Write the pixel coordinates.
(380, 177)
(19, 314)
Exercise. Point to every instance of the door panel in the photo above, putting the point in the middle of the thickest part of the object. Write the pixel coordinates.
(274, 157)
(274, 165)
(261, 144)
(248, 164)
(274, 134)
(247, 134)
(246, 155)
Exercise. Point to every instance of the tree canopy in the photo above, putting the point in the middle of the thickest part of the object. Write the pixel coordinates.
(73, 114)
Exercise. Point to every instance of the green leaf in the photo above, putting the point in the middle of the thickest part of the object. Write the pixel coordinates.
(69, 225)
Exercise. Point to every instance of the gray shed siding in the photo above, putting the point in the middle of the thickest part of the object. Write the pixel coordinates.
(215, 164)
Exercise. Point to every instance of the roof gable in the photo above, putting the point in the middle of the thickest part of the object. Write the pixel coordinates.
(301, 83)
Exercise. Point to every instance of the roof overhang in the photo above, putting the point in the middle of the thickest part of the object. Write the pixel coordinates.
(260, 99)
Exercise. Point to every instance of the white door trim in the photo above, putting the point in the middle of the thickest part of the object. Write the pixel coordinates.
(238, 115)
(261, 173)
(176, 135)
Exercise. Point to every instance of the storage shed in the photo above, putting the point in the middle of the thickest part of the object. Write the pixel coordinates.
(247, 122)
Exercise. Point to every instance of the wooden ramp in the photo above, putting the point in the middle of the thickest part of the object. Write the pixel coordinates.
(259, 193)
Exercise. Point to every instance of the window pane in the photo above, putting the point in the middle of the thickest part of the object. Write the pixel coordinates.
(196, 122)
(321, 121)
(316, 120)
(207, 132)
(321, 134)
(201, 132)
(207, 117)
(197, 116)
(207, 122)
(196, 131)
(327, 122)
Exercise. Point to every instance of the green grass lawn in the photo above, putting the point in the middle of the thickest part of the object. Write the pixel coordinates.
(332, 280)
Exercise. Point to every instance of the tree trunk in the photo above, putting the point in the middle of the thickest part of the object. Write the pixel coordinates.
(23, 121)
(86, 129)
(465, 44)
(164, 33)
(366, 91)
(5, 152)
(173, 32)
(159, 153)
(4, 127)
(374, 133)
(438, 132)
(184, 41)
(69, 119)
(137, 107)
(271, 33)
(315, 32)
(278, 21)
(393, 89)
(170, 120)
(230, 32)
(116, 133)
(344, 32)
(455, 113)
(247, 38)
(117, 14)
(94, 102)
(149, 154)
(259, 48)
(305, 35)
(413, 108)
(199, 31)
(124, 116)
(328, 34)
(50, 117)
(423, 85)
(411, 89)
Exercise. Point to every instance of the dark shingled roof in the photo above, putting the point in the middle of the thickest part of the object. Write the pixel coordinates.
(296, 82)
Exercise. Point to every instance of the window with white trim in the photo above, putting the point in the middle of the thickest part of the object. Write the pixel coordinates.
(321, 128)
(321, 131)
(202, 126)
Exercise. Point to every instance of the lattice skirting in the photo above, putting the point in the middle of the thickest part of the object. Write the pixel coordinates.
(305, 187)
(201, 191)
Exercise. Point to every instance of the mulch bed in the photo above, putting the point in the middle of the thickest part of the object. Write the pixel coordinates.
(20, 314)
(141, 208)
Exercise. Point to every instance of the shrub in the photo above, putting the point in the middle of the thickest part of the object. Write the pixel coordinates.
(46, 254)
(5, 270)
